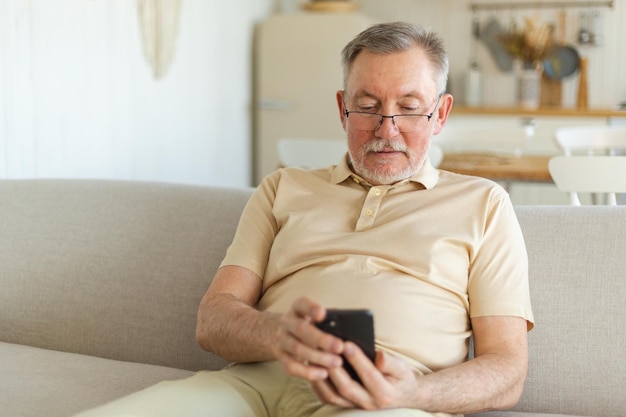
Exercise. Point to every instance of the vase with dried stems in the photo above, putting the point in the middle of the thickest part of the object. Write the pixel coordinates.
(528, 45)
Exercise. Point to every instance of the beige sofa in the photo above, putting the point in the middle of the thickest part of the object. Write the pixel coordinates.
(101, 280)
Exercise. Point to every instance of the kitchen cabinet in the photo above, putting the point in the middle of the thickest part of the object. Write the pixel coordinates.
(297, 74)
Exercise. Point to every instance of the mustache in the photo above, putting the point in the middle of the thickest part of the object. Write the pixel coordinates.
(379, 145)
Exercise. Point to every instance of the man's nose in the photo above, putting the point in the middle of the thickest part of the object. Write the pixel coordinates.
(387, 128)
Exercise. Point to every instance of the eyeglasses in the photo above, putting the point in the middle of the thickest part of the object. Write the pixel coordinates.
(405, 123)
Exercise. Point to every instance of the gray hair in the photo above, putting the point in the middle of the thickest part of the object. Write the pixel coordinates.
(386, 38)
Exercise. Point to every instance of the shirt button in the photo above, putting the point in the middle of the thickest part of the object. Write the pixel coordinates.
(377, 191)
(369, 212)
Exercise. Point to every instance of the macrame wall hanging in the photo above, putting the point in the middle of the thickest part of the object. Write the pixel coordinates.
(158, 20)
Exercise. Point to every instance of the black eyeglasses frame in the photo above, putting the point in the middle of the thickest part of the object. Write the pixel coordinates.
(392, 117)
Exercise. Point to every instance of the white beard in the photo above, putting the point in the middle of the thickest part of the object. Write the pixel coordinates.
(384, 175)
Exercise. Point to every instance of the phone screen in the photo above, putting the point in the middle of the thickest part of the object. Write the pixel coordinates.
(354, 325)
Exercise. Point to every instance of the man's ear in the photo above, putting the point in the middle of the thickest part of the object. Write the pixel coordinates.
(342, 114)
(445, 106)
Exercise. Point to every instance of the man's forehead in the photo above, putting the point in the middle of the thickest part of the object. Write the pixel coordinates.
(400, 75)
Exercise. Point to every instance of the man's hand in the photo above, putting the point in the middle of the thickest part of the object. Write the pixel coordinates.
(314, 355)
(387, 383)
(303, 349)
(493, 380)
(309, 353)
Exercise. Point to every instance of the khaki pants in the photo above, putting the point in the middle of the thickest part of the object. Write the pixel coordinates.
(250, 390)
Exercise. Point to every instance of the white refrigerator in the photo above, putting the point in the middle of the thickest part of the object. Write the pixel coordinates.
(297, 73)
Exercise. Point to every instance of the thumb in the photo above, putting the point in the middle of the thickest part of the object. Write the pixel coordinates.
(389, 364)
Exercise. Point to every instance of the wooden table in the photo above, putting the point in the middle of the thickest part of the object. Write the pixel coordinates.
(505, 168)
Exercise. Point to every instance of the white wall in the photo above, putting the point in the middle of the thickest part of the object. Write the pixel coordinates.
(79, 100)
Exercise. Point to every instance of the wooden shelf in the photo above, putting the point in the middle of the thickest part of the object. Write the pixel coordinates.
(544, 111)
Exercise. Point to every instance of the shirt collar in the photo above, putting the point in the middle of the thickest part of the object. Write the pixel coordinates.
(427, 176)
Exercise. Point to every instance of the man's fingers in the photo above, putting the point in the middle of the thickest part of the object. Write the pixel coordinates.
(306, 332)
(326, 392)
(308, 309)
(304, 370)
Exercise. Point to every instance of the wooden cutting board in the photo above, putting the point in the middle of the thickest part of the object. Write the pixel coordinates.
(330, 6)
(551, 92)
(581, 100)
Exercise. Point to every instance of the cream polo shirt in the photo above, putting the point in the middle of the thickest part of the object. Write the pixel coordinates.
(424, 254)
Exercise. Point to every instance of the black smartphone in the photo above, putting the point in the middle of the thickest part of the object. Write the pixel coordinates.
(354, 325)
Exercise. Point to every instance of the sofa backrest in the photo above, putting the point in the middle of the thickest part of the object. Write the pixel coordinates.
(117, 269)
(577, 261)
(112, 269)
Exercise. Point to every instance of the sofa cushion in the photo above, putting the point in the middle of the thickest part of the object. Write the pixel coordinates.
(520, 414)
(577, 273)
(111, 268)
(38, 382)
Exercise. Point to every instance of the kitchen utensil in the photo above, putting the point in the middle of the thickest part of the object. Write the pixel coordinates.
(551, 92)
(474, 45)
(586, 39)
(585, 34)
(490, 37)
(581, 101)
(473, 77)
(563, 61)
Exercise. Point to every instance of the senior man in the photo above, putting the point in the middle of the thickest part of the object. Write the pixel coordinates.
(438, 257)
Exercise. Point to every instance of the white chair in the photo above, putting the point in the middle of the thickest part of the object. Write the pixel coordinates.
(505, 140)
(435, 154)
(320, 153)
(310, 153)
(592, 140)
(589, 174)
